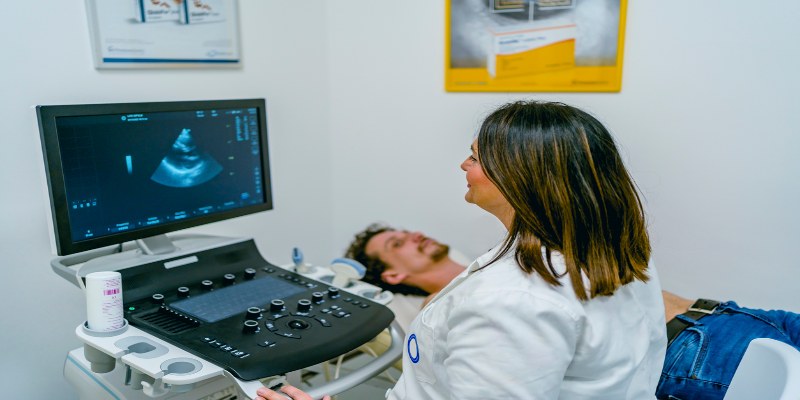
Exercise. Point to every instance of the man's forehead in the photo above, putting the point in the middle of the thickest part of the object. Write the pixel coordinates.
(377, 244)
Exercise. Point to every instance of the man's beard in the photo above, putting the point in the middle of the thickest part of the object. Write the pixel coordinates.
(440, 253)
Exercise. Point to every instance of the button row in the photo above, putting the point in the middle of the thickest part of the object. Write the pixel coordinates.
(208, 285)
(298, 281)
(225, 348)
(336, 311)
(359, 303)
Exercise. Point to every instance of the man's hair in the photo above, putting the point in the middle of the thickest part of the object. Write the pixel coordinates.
(374, 266)
(560, 170)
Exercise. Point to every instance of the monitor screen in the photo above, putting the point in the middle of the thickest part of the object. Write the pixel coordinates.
(120, 172)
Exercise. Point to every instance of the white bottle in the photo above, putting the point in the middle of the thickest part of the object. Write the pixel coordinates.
(104, 301)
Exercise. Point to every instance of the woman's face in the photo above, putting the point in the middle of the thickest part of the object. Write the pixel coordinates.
(480, 190)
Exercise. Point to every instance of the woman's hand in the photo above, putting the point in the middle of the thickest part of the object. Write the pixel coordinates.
(291, 391)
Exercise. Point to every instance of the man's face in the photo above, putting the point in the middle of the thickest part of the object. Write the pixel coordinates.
(405, 253)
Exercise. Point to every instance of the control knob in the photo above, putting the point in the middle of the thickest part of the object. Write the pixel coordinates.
(157, 298)
(317, 297)
(333, 292)
(228, 279)
(250, 326)
(249, 273)
(183, 292)
(253, 313)
(276, 305)
(207, 284)
(303, 305)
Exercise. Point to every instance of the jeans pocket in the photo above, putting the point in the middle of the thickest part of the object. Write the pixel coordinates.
(686, 354)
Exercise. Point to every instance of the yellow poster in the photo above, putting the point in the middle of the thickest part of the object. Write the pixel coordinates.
(534, 46)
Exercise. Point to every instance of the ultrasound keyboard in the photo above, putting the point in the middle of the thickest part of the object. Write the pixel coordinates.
(231, 307)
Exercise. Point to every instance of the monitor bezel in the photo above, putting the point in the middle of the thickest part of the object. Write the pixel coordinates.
(59, 209)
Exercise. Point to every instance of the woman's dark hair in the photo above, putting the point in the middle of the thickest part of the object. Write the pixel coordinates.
(561, 172)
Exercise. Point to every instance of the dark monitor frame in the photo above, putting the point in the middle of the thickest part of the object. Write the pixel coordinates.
(59, 207)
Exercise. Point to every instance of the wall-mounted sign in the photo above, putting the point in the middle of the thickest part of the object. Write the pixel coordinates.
(164, 33)
(534, 46)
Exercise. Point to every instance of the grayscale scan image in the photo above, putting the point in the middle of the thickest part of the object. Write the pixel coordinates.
(185, 165)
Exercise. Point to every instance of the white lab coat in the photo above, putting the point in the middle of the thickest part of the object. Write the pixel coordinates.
(498, 333)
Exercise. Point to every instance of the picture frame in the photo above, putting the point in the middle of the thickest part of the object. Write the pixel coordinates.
(556, 46)
(164, 33)
(554, 4)
(499, 6)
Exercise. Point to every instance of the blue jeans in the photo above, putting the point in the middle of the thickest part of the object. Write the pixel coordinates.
(701, 360)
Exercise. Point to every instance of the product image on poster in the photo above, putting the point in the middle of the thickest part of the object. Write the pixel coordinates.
(541, 45)
(164, 33)
(502, 5)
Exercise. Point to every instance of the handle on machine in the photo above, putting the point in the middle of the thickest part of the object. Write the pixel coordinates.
(374, 367)
(353, 379)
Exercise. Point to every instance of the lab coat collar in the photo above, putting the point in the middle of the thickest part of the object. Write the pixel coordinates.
(483, 260)
(475, 266)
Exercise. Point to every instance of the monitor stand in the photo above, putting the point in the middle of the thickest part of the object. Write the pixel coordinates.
(75, 267)
(159, 244)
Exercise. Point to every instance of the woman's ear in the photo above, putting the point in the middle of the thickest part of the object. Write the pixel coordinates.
(393, 277)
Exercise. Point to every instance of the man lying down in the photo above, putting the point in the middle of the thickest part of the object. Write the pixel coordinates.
(707, 338)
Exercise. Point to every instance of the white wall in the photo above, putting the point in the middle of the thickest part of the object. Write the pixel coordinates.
(362, 130)
(708, 119)
(47, 60)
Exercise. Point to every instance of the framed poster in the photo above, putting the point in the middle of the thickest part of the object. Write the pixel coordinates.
(164, 33)
(534, 45)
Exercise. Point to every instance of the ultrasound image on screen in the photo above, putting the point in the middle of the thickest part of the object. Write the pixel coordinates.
(124, 172)
(185, 165)
(223, 303)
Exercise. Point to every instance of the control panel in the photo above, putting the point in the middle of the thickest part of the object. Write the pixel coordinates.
(233, 308)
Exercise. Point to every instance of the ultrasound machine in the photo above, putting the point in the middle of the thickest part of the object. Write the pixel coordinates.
(203, 317)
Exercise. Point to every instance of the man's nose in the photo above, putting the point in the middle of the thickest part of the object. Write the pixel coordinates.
(416, 236)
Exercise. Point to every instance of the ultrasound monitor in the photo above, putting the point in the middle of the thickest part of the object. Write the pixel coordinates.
(130, 171)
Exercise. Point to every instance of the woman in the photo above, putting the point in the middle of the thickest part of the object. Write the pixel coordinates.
(566, 307)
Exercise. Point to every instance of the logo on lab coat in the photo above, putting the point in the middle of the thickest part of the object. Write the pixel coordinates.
(415, 355)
